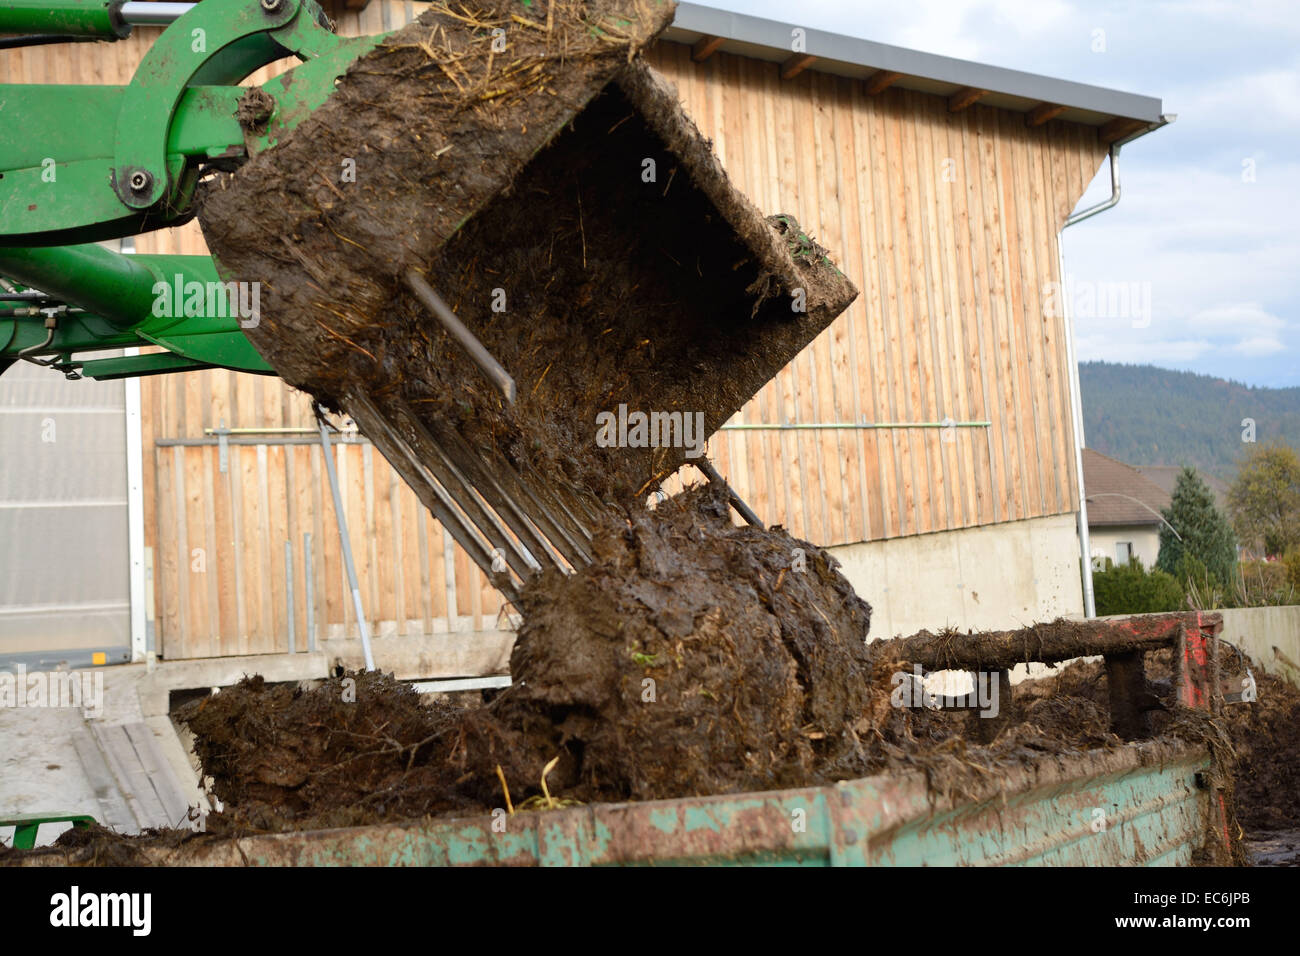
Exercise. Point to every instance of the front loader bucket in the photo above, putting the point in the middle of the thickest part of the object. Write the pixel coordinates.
(569, 214)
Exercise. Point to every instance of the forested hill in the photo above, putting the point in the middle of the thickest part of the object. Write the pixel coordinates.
(1145, 415)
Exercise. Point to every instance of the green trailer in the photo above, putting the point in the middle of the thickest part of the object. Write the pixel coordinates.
(1144, 804)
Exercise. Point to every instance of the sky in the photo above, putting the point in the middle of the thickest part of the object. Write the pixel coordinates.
(1206, 230)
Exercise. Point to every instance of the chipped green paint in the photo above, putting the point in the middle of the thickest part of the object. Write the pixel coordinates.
(664, 820)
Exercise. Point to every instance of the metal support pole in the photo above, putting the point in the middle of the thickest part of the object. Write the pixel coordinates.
(484, 359)
(1076, 420)
(309, 591)
(288, 593)
(1072, 365)
(135, 519)
(744, 510)
(343, 537)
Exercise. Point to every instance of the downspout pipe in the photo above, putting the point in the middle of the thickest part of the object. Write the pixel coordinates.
(1076, 404)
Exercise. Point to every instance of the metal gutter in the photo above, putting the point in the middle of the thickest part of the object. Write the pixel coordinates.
(851, 56)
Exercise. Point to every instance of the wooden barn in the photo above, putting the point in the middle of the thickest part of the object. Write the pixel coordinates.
(928, 435)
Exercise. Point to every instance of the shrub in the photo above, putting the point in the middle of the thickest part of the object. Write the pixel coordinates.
(1204, 591)
(1292, 564)
(1132, 589)
(1264, 583)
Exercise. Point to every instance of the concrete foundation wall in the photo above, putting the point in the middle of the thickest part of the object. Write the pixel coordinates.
(993, 576)
(1269, 635)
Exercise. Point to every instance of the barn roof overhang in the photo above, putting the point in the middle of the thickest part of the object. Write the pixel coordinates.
(1115, 114)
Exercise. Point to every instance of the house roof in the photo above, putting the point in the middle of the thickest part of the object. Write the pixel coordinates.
(1166, 476)
(1116, 114)
(1118, 494)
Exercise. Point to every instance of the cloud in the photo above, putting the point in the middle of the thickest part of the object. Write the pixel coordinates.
(1219, 258)
(1259, 345)
(1273, 95)
(1093, 348)
(1259, 14)
(1233, 319)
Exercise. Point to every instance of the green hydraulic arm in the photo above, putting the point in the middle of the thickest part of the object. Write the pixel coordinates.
(86, 298)
(87, 164)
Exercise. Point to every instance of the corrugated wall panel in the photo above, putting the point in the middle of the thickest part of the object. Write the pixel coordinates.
(63, 515)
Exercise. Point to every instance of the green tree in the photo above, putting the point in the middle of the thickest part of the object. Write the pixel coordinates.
(1264, 498)
(1203, 532)
(1131, 589)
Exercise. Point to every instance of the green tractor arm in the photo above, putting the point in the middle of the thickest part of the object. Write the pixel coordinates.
(95, 163)
(76, 299)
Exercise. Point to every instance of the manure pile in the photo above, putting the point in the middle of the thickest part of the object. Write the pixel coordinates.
(555, 195)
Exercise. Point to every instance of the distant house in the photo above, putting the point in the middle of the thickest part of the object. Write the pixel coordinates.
(1123, 510)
